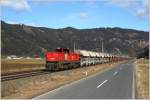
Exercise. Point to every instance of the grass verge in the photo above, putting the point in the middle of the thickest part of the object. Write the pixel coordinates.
(142, 78)
(17, 65)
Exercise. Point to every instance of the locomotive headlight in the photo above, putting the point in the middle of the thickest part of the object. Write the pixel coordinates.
(52, 58)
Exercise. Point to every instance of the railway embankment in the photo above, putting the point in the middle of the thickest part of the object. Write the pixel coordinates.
(141, 79)
(29, 87)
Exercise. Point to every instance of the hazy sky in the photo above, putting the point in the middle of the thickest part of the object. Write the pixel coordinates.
(80, 14)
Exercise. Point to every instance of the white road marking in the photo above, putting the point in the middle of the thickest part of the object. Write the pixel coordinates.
(133, 85)
(115, 73)
(120, 68)
(101, 84)
(85, 73)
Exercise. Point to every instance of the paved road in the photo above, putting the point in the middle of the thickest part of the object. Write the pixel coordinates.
(113, 84)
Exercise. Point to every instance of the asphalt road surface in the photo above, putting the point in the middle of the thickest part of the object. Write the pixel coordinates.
(116, 83)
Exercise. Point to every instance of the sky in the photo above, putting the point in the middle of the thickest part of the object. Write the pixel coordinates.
(81, 14)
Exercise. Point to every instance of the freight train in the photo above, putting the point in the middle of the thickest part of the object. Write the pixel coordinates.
(64, 58)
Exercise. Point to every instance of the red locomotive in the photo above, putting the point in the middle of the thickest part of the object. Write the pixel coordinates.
(62, 59)
(65, 59)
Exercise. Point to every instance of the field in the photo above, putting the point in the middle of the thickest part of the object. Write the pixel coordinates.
(17, 65)
(142, 78)
(32, 86)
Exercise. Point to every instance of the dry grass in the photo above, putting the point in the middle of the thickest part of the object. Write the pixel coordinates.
(33, 86)
(17, 65)
(142, 78)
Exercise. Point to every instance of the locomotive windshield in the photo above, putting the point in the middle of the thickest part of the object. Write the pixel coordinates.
(59, 50)
(63, 50)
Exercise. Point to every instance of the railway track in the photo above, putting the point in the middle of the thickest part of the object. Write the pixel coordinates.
(18, 75)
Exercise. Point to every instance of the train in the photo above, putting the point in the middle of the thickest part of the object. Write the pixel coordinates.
(64, 58)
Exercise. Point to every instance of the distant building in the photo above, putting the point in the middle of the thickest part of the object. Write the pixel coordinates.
(8, 57)
(11, 57)
(28, 58)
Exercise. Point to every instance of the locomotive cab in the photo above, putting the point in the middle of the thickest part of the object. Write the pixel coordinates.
(61, 58)
(63, 50)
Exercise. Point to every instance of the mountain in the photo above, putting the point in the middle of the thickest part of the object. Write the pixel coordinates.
(23, 40)
(144, 53)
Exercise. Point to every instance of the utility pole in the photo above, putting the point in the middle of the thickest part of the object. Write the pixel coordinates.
(74, 46)
(102, 46)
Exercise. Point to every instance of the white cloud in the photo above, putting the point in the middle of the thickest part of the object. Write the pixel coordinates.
(11, 22)
(38, 2)
(83, 14)
(17, 5)
(25, 23)
(145, 9)
(137, 7)
(78, 16)
(122, 3)
(33, 24)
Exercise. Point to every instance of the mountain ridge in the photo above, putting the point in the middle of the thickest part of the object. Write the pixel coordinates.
(24, 40)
